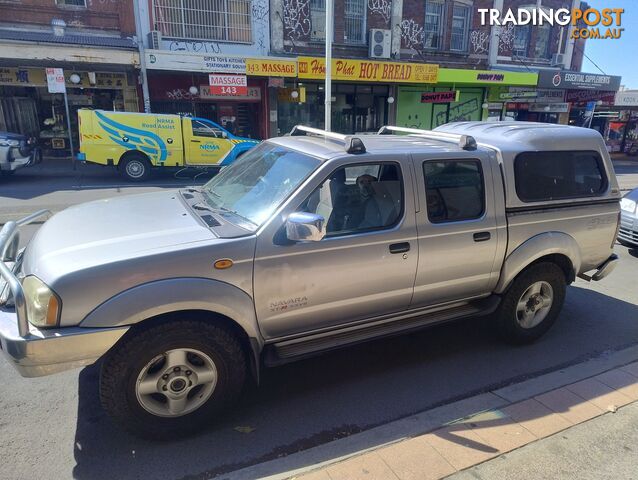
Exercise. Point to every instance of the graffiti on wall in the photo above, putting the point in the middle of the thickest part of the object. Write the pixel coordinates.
(506, 38)
(180, 94)
(195, 46)
(260, 20)
(381, 7)
(412, 34)
(480, 41)
(459, 113)
(297, 18)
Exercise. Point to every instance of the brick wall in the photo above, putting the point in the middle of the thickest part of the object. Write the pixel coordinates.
(297, 32)
(412, 44)
(109, 15)
(505, 47)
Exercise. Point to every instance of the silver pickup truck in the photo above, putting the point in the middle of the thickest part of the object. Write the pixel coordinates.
(307, 243)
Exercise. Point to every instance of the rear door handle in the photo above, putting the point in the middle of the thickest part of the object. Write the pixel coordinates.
(196, 141)
(400, 247)
(482, 236)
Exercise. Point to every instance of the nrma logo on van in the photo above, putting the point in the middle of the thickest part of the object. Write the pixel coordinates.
(133, 138)
(208, 147)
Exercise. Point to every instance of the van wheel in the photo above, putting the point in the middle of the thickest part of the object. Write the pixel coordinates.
(135, 167)
(171, 379)
(532, 304)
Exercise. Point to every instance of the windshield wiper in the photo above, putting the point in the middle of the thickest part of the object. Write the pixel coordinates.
(208, 208)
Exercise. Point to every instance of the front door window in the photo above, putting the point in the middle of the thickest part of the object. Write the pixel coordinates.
(358, 198)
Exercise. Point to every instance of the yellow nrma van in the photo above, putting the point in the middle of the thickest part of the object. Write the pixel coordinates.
(137, 142)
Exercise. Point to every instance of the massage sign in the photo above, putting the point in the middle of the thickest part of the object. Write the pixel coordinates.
(228, 85)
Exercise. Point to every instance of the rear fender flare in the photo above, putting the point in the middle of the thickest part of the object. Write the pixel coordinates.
(548, 243)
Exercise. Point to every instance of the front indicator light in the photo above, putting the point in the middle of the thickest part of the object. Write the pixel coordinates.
(43, 305)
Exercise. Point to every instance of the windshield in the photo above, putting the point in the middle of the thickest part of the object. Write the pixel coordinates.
(258, 182)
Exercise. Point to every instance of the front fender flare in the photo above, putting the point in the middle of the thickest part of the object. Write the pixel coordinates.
(176, 294)
(548, 243)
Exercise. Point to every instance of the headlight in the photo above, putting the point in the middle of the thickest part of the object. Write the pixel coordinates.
(43, 305)
(6, 142)
(628, 205)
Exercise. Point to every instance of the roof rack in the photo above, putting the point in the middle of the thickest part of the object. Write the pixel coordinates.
(352, 144)
(466, 142)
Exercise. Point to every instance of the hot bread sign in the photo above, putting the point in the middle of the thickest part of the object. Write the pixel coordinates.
(229, 85)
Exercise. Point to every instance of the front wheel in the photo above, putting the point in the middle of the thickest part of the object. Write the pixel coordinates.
(171, 379)
(532, 303)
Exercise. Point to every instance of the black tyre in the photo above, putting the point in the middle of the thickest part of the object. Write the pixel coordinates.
(135, 167)
(171, 379)
(532, 303)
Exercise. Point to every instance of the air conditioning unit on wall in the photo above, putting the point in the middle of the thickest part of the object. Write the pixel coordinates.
(380, 44)
(558, 59)
(154, 40)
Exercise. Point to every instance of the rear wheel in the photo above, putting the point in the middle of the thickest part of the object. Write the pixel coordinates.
(532, 303)
(135, 167)
(172, 379)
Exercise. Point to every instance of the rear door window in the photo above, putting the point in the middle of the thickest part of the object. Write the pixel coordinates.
(454, 190)
(543, 176)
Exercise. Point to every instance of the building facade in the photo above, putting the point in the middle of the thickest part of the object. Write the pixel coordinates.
(481, 68)
(185, 42)
(91, 41)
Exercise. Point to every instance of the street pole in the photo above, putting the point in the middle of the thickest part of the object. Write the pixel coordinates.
(140, 47)
(68, 126)
(328, 84)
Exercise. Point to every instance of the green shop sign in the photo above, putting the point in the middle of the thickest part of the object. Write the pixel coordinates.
(486, 77)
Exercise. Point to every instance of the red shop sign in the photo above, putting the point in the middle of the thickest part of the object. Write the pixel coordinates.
(440, 97)
(228, 85)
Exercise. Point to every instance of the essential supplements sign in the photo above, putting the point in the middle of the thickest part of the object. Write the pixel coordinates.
(588, 23)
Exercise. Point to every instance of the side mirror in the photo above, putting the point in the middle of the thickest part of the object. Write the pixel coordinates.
(304, 227)
(224, 135)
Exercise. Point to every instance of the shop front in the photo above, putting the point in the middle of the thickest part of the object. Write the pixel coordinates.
(27, 107)
(180, 83)
(528, 104)
(584, 94)
(459, 95)
(616, 118)
(191, 94)
(363, 93)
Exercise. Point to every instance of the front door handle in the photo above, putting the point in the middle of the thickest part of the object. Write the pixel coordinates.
(482, 236)
(400, 247)
(196, 141)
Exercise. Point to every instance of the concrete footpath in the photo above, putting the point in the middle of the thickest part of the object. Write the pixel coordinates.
(599, 449)
(579, 422)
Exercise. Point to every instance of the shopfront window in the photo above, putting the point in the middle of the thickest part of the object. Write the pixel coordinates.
(204, 19)
(433, 22)
(355, 21)
(355, 108)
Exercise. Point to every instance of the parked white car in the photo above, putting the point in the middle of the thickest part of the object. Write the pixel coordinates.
(17, 151)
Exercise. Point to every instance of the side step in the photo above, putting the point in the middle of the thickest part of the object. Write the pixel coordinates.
(289, 350)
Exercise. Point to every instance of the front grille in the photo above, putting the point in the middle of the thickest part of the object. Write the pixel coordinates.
(628, 235)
